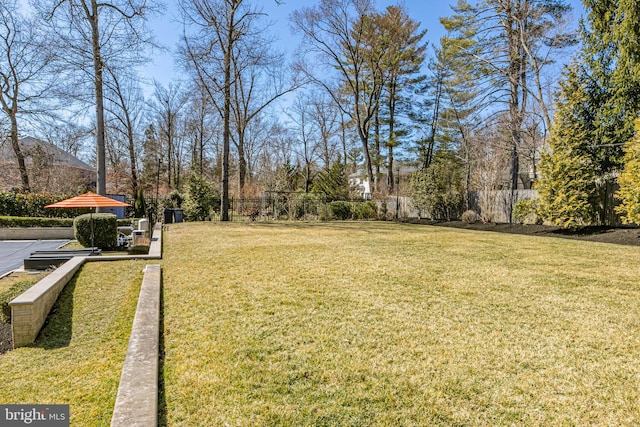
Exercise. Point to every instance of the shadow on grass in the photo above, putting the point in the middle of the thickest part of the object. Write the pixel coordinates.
(162, 400)
(57, 329)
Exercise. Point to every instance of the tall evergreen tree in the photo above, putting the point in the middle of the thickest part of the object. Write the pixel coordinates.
(567, 191)
(599, 103)
(401, 40)
(629, 180)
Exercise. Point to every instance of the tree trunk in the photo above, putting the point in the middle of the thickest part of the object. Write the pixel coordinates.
(364, 139)
(392, 137)
(224, 202)
(24, 176)
(377, 155)
(391, 176)
(132, 157)
(515, 86)
(242, 168)
(101, 186)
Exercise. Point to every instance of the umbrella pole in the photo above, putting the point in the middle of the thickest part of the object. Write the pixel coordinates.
(91, 224)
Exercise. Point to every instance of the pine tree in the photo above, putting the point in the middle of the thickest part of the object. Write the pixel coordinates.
(567, 188)
(629, 180)
(600, 101)
(509, 43)
(333, 182)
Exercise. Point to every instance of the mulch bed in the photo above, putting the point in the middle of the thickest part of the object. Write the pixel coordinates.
(618, 235)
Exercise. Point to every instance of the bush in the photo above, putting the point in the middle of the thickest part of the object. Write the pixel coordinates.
(366, 210)
(139, 250)
(340, 210)
(200, 200)
(18, 221)
(438, 190)
(174, 200)
(526, 212)
(307, 205)
(140, 205)
(105, 230)
(469, 216)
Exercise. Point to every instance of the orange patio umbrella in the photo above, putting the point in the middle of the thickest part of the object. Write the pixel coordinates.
(88, 200)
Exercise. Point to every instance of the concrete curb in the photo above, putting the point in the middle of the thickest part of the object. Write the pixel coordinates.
(137, 399)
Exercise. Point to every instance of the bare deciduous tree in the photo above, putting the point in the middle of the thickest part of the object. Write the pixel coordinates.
(125, 107)
(94, 34)
(217, 25)
(23, 59)
(168, 105)
(335, 31)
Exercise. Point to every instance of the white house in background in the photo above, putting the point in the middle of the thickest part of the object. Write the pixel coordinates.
(360, 184)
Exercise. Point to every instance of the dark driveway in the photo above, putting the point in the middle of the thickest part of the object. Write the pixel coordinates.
(13, 252)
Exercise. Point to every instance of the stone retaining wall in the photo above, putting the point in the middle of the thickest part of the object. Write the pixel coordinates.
(30, 309)
(36, 233)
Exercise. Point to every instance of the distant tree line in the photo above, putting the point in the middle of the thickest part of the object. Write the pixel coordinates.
(497, 105)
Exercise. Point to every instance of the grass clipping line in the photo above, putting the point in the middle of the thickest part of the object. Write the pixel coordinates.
(78, 355)
(396, 324)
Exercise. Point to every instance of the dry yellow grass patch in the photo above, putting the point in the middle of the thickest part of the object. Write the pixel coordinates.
(77, 358)
(389, 324)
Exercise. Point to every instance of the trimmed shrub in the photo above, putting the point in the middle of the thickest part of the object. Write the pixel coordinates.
(366, 210)
(105, 230)
(340, 210)
(139, 250)
(469, 216)
(18, 221)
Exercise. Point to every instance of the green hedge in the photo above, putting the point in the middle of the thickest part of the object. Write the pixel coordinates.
(33, 205)
(366, 210)
(340, 210)
(18, 221)
(105, 230)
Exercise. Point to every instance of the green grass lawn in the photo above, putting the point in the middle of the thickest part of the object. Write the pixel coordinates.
(78, 356)
(354, 324)
(365, 324)
(16, 278)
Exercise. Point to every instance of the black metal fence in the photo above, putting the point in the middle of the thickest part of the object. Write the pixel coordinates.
(278, 206)
(296, 206)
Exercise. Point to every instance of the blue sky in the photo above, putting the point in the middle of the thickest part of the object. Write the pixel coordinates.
(427, 12)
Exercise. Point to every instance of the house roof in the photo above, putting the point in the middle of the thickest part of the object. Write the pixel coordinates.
(30, 145)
